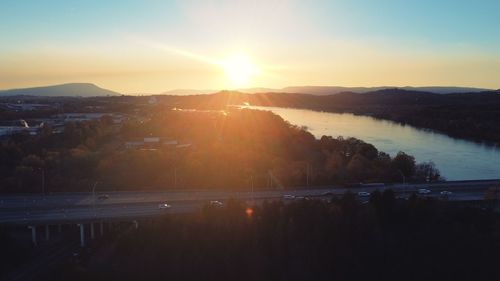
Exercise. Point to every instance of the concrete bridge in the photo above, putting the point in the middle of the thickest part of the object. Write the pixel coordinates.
(90, 211)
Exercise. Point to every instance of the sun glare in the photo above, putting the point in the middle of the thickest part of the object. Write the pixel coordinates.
(239, 69)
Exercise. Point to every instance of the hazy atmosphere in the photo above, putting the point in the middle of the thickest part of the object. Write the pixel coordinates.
(276, 140)
(153, 46)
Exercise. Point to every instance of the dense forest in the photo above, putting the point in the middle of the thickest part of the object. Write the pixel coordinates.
(471, 116)
(386, 239)
(231, 149)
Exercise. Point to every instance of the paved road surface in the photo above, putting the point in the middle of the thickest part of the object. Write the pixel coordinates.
(74, 207)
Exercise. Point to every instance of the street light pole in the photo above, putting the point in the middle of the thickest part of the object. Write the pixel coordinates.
(175, 177)
(93, 189)
(404, 181)
(308, 167)
(93, 197)
(253, 199)
(42, 170)
(43, 181)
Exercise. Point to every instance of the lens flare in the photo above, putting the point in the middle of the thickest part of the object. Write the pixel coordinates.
(249, 212)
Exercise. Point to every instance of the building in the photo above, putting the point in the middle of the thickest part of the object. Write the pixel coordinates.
(155, 142)
(8, 128)
(81, 117)
(25, 106)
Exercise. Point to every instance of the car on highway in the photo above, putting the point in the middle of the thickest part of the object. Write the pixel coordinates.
(164, 206)
(103, 197)
(75, 257)
(373, 184)
(353, 185)
(216, 203)
(363, 194)
(423, 191)
(328, 193)
(288, 197)
(445, 194)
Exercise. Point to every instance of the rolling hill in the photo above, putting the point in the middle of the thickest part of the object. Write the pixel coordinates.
(63, 90)
(332, 90)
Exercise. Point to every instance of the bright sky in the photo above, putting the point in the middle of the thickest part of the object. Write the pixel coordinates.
(150, 46)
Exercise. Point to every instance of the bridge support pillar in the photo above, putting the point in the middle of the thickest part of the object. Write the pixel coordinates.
(33, 234)
(47, 232)
(82, 235)
(92, 232)
(101, 228)
(136, 224)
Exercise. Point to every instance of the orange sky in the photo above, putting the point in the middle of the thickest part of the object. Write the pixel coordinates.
(152, 47)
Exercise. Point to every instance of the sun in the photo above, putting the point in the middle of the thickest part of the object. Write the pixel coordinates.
(239, 69)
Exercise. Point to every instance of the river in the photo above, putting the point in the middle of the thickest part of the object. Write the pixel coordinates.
(456, 159)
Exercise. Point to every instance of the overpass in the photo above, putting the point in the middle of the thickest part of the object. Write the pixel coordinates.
(85, 208)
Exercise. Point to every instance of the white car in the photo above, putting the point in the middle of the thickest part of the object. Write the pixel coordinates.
(288, 197)
(363, 194)
(423, 191)
(216, 203)
(164, 206)
(446, 193)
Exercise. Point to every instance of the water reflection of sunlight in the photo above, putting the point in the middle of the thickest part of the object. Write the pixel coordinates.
(457, 159)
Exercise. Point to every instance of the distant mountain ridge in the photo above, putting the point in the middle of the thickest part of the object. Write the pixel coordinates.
(91, 90)
(188, 92)
(328, 90)
(63, 90)
(332, 90)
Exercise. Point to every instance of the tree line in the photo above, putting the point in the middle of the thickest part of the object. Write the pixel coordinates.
(386, 239)
(233, 149)
(470, 116)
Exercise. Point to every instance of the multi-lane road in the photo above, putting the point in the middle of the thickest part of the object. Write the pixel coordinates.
(81, 207)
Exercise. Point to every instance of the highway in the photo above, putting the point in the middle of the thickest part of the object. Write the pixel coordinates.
(54, 208)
